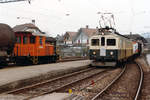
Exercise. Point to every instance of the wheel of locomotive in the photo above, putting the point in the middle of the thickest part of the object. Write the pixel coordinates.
(35, 60)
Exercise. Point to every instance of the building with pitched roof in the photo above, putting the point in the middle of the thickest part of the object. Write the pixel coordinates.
(136, 37)
(83, 35)
(60, 40)
(69, 37)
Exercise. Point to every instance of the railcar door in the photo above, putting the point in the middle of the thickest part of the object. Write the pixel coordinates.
(102, 49)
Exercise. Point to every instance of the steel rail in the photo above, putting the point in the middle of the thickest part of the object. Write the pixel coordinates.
(47, 81)
(112, 82)
(140, 83)
(67, 59)
(59, 88)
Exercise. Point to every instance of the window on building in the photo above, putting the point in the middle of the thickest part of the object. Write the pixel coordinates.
(40, 40)
(25, 40)
(68, 38)
(78, 41)
(18, 39)
(111, 42)
(102, 41)
(32, 39)
(95, 42)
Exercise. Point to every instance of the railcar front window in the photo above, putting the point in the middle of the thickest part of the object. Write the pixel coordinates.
(95, 42)
(25, 40)
(111, 42)
(32, 39)
(102, 41)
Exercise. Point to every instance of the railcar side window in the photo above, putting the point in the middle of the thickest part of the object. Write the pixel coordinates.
(32, 39)
(102, 41)
(25, 40)
(40, 40)
(95, 42)
(18, 39)
(111, 42)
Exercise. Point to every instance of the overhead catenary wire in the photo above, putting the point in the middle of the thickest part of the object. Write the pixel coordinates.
(10, 1)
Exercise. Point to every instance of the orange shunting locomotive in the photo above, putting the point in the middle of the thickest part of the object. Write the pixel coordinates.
(27, 45)
(34, 48)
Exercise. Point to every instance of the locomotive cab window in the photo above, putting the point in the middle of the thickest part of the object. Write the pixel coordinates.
(18, 39)
(32, 39)
(102, 41)
(25, 40)
(40, 41)
(111, 42)
(95, 42)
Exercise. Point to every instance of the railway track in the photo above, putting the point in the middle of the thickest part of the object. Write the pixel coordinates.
(112, 92)
(54, 85)
(91, 84)
(72, 59)
(88, 88)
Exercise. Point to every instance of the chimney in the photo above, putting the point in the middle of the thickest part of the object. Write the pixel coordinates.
(33, 21)
(87, 26)
(130, 33)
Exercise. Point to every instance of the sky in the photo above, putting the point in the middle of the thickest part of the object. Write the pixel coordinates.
(58, 16)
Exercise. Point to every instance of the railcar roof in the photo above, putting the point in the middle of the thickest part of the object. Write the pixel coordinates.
(112, 31)
(34, 34)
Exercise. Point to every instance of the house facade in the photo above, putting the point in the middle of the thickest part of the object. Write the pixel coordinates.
(83, 35)
(75, 43)
(69, 38)
(59, 40)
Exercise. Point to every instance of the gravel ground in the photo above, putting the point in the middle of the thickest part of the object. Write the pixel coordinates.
(87, 91)
(142, 60)
(11, 97)
(145, 92)
(124, 88)
(53, 96)
(55, 84)
(17, 77)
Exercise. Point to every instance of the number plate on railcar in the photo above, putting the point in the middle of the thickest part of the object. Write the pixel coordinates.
(102, 52)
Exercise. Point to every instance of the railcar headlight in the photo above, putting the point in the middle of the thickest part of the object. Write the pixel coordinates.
(94, 52)
(111, 53)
